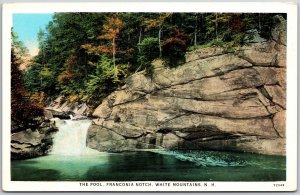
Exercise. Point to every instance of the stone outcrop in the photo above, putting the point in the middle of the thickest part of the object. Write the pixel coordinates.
(32, 141)
(217, 100)
(63, 108)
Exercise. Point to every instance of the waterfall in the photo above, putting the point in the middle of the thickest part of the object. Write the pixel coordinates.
(71, 138)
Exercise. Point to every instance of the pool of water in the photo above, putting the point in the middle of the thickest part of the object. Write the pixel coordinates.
(152, 166)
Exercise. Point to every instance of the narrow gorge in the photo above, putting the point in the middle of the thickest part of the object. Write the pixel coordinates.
(231, 99)
(160, 97)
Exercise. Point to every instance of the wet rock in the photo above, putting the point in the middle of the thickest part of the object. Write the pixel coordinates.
(32, 142)
(107, 140)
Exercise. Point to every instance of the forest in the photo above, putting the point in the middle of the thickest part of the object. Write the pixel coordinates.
(86, 56)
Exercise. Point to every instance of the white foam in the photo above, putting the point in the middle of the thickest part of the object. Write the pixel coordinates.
(70, 140)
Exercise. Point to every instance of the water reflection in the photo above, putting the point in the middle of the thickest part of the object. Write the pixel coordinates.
(152, 166)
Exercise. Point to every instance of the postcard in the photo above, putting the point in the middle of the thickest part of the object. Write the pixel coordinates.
(150, 96)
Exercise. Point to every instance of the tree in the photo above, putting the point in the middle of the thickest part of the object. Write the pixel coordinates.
(19, 47)
(175, 47)
(157, 23)
(105, 79)
(110, 30)
(22, 110)
(148, 52)
(38, 78)
(196, 29)
(72, 47)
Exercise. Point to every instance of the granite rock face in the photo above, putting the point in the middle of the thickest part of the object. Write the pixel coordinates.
(63, 108)
(33, 141)
(217, 100)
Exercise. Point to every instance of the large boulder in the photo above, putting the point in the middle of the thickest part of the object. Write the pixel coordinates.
(217, 100)
(32, 141)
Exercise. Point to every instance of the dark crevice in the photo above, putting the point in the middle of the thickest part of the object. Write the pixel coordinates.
(30, 145)
(270, 65)
(142, 96)
(276, 131)
(15, 147)
(209, 56)
(265, 107)
(132, 124)
(265, 93)
(246, 59)
(164, 131)
(189, 81)
(279, 43)
(227, 117)
(234, 137)
(236, 88)
(125, 137)
(187, 98)
(178, 116)
(117, 119)
(283, 108)
(275, 84)
(262, 89)
(268, 96)
(219, 137)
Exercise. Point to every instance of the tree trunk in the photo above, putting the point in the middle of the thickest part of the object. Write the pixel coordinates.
(86, 67)
(159, 37)
(114, 52)
(140, 39)
(195, 34)
(216, 23)
(43, 61)
(259, 22)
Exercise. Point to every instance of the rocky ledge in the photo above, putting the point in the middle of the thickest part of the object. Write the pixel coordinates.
(33, 141)
(218, 100)
(63, 108)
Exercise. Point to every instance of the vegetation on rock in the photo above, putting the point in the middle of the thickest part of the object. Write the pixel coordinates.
(90, 54)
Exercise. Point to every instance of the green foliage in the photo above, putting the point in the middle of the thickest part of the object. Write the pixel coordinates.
(47, 77)
(19, 47)
(31, 78)
(148, 52)
(39, 78)
(90, 54)
(106, 77)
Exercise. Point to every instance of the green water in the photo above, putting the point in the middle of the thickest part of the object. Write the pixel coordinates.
(152, 166)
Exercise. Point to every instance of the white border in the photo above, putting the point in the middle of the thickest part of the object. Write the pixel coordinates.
(291, 123)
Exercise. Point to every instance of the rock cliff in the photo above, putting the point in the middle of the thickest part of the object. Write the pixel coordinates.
(218, 100)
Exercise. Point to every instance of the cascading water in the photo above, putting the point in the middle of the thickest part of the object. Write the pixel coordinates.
(71, 138)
